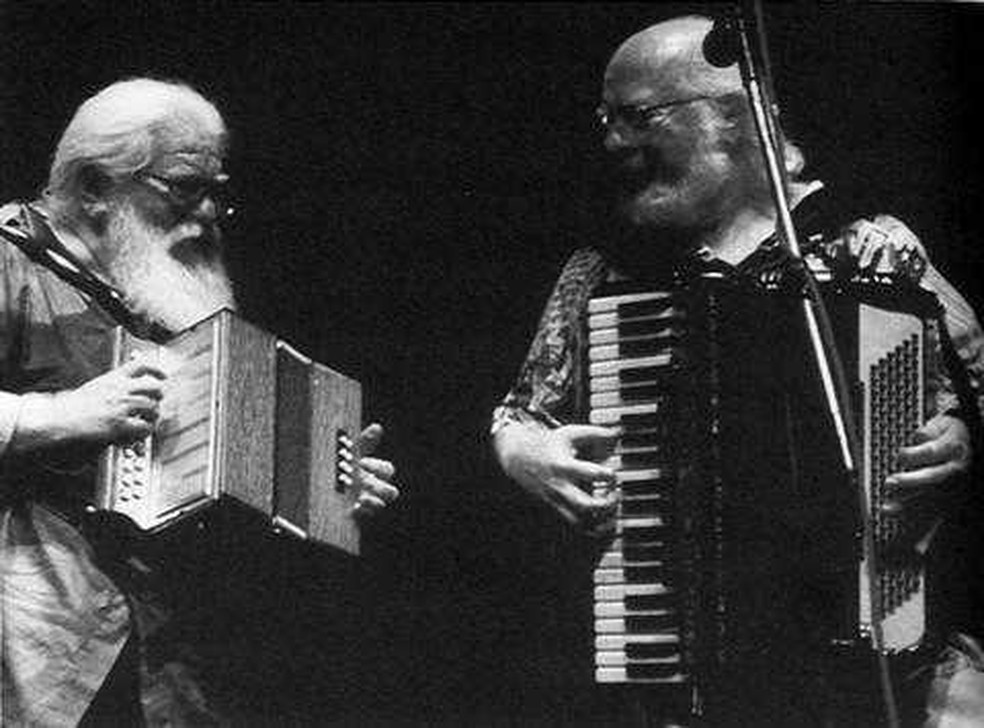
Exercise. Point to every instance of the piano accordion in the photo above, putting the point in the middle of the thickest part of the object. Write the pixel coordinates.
(245, 417)
(732, 499)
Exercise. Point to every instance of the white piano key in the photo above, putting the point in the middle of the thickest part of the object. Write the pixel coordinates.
(618, 592)
(618, 576)
(621, 641)
(633, 476)
(611, 303)
(620, 659)
(623, 524)
(613, 415)
(604, 337)
(618, 610)
(612, 367)
(603, 353)
(610, 626)
(614, 558)
(611, 319)
(620, 675)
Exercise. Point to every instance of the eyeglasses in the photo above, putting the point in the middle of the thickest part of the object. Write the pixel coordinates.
(639, 117)
(185, 194)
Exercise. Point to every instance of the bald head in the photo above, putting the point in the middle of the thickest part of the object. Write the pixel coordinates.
(669, 57)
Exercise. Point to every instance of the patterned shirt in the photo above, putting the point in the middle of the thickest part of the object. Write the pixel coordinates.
(549, 387)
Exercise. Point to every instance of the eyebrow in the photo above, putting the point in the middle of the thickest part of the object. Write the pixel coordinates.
(186, 170)
(201, 159)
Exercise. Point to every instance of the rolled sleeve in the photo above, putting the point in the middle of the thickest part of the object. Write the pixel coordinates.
(964, 331)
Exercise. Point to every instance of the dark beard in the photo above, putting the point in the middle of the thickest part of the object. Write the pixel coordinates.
(176, 286)
(699, 200)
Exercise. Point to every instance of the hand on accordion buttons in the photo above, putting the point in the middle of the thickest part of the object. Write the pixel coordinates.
(119, 406)
(941, 452)
(884, 245)
(561, 466)
(374, 475)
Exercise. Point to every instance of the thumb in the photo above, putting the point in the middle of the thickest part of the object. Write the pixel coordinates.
(370, 438)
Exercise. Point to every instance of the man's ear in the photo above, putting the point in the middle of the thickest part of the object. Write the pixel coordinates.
(93, 188)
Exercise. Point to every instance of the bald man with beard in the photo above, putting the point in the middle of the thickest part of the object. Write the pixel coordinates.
(692, 186)
(131, 223)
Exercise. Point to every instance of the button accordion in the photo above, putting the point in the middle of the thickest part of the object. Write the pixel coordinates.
(736, 523)
(244, 417)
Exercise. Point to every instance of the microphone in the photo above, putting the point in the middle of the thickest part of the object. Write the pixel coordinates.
(721, 44)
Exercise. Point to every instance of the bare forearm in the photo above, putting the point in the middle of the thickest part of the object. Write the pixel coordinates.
(41, 422)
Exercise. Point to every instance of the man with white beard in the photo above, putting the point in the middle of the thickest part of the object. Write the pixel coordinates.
(130, 228)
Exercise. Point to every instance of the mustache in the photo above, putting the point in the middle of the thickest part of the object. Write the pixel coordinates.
(640, 167)
(201, 249)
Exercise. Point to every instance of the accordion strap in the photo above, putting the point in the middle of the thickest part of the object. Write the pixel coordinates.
(39, 243)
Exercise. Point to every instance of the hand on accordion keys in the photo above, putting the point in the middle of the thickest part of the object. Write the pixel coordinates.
(560, 466)
(930, 468)
(119, 406)
(373, 475)
(881, 246)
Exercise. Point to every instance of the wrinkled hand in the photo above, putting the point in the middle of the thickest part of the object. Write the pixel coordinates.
(560, 466)
(119, 406)
(374, 475)
(942, 452)
(884, 245)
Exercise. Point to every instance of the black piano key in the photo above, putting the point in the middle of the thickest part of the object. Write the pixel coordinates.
(650, 345)
(639, 375)
(646, 327)
(659, 487)
(638, 459)
(651, 650)
(645, 575)
(645, 534)
(649, 307)
(643, 393)
(643, 507)
(643, 553)
(636, 436)
(653, 671)
(650, 623)
(643, 420)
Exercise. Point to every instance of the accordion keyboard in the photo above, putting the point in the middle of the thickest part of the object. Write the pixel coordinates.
(632, 358)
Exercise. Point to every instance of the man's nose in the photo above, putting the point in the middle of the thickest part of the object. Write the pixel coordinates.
(207, 209)
(211, 210)
(616, 137)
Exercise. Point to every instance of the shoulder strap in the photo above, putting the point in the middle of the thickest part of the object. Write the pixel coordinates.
(38, 242)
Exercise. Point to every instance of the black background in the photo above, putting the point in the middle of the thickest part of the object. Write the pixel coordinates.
(410, 177)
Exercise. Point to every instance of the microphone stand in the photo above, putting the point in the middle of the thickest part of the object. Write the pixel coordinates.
(754, 64)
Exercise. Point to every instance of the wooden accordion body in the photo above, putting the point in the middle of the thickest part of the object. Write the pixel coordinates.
(737, 529)
(244, 416)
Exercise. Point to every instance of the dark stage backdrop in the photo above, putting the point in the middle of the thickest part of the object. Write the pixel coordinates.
(411, 176)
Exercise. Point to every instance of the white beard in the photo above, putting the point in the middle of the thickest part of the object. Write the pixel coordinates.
(172, 292)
